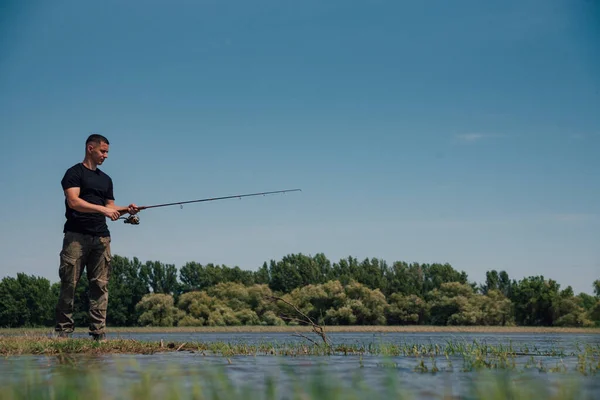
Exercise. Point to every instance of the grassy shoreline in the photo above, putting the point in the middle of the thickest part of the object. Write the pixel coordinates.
(41, 344)
(464, 356)
(330, 329)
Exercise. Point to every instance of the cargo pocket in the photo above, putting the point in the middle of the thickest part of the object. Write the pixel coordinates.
(108, 263)
(67, 268)
(107, 256)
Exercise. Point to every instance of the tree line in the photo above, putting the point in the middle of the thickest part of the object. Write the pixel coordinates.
(347, 292)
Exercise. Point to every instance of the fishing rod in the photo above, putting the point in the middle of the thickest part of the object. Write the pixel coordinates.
(135, 220)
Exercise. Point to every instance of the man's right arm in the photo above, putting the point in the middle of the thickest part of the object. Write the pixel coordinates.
(78, 204)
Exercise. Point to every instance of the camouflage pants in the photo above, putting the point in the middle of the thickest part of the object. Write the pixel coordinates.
(93, 253)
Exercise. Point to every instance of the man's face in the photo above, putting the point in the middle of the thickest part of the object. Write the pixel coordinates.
(99, 152)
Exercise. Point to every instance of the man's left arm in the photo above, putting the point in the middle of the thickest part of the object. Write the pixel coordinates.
(131, 209)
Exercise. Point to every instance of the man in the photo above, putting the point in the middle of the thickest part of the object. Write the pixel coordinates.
(89, 200)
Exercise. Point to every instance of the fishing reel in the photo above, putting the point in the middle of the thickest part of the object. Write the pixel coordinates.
(132, 219)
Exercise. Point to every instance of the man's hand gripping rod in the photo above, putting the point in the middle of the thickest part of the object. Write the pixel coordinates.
(135, 220)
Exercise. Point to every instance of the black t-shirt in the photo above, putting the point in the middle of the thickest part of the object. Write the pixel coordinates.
(95, 187)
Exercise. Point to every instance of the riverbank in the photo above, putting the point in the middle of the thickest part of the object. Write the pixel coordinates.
(50, 344)
(337, 328)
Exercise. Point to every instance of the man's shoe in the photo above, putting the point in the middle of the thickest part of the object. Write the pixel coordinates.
(98, 337)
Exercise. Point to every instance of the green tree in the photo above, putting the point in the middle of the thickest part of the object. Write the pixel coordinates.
(297, 270)
(420, 279)
(157, 309)
(197, 307)
(126, 288)
(161, 278)
(315, 300)
(195, 276)
(567, 310)
(458, 304)
(323, 265)
(191, 277)
(504, 284)
(437, 274)
(26, 300)
(453, 303)
(496, 308)
(406, 279)
(373, 273)
(594, 313)
(262, 276)
(591, 304)
(345, 270)
(335, 304)
(406, 309)
(236, 274)
(492, 281)
(368, 305)
(206, 310)
(533, 298)
(568, 313)
(497, 281)
(284, 276)
(586, 301)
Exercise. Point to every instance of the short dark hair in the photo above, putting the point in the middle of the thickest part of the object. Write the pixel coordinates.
(96, 138)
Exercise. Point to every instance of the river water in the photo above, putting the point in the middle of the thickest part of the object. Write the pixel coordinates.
(118, 371)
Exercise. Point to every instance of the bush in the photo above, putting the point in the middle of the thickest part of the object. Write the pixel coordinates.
(157, 309)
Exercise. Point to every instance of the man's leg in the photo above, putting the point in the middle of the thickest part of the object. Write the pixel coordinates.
(71, 267)
(98, 273)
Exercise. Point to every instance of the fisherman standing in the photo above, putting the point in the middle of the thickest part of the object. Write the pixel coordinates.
(89, 200)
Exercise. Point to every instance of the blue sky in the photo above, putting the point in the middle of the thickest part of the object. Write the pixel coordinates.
(464, 132)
